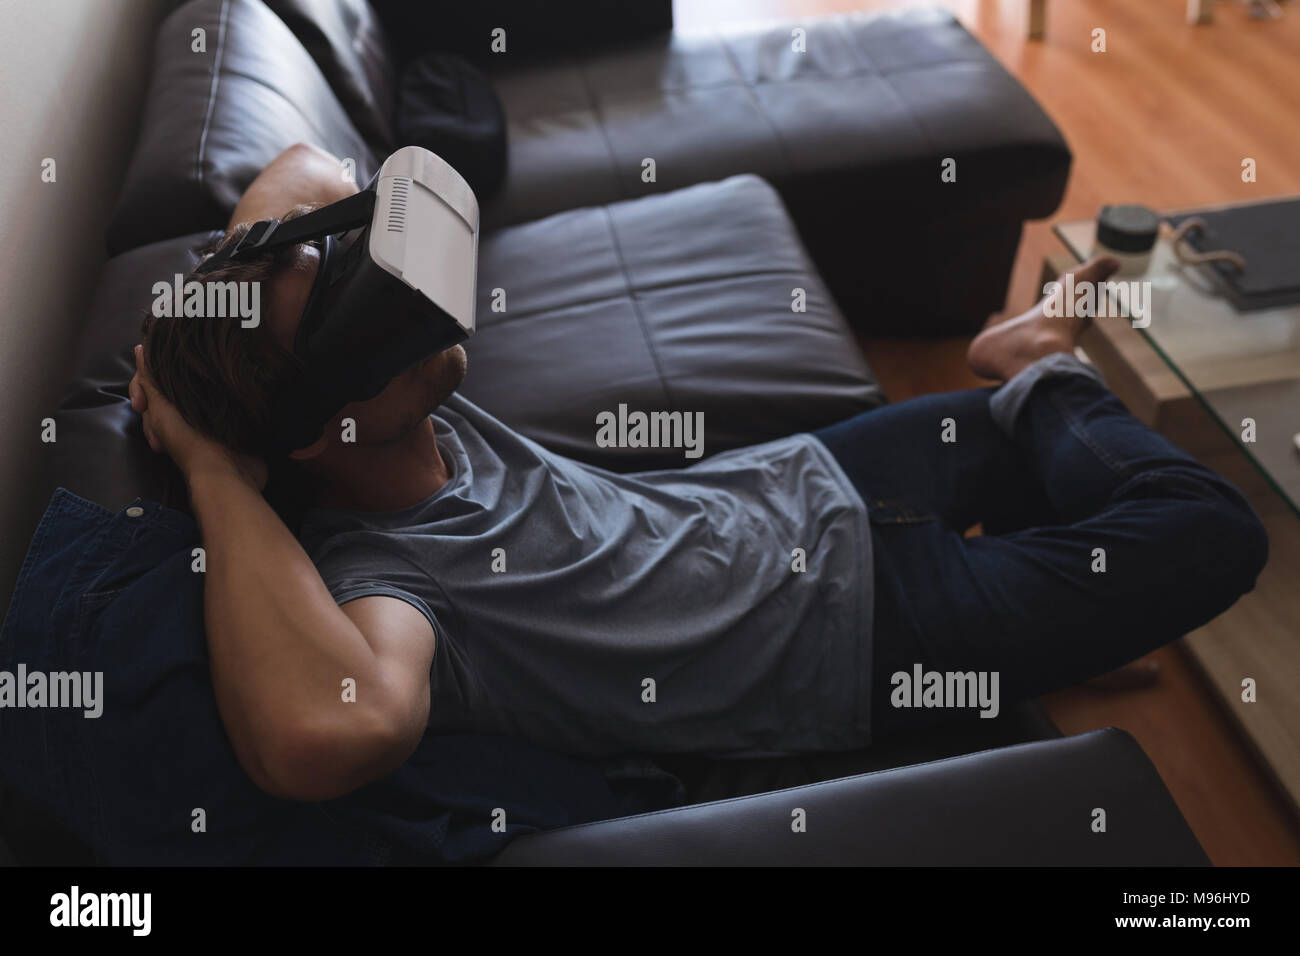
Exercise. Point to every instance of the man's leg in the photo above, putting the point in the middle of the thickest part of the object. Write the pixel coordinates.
(941, 456)
(1122, 542)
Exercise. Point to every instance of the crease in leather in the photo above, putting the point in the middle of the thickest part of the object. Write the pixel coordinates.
(212, 90)
(308, 117)
(635, 300)
(594, 108)
(855, 46)
(780, 144)
(517, 315)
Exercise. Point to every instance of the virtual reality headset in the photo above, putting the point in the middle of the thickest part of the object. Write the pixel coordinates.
(396, 284)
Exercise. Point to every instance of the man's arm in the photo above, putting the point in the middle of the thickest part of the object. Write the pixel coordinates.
(280, 647)
(282, 650)
(301, 174)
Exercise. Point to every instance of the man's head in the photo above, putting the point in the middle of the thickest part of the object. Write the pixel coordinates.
(223, 377)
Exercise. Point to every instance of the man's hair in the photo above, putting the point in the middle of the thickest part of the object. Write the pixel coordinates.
(223, 377)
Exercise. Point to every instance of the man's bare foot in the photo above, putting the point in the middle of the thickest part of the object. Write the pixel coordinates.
(1002, 350)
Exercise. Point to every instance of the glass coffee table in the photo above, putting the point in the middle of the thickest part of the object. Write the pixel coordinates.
(1241, 366)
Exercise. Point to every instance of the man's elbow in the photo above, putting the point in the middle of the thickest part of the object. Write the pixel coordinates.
(310, 762)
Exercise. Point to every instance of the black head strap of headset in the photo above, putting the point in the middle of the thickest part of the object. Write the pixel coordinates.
(270, 235)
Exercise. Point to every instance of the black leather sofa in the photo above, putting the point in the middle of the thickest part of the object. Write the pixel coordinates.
(852, 131)
(1027, 805)
(775, 173)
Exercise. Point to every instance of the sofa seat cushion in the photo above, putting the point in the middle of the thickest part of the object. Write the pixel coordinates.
(683, 301)
(857, 113)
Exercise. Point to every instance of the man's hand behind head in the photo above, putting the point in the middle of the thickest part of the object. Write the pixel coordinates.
(167, 431)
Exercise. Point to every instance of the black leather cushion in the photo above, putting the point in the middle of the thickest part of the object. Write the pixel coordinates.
(101, 453)
(678, 302)
(860, 121)
(705, 779)
(532, 27)
(214, 120)
(852, 132)
(1028, 805)
(349, 44)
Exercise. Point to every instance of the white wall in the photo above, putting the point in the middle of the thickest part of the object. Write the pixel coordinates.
(72, 81)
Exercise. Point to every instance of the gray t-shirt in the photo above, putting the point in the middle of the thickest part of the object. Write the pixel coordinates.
(658, 611)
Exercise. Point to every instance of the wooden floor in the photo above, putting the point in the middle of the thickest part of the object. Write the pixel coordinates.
(1164, 117)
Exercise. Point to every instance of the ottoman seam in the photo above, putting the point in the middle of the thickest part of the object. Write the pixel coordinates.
(636, 306)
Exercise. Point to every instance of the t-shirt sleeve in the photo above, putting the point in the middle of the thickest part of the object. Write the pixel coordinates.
(354, 571)
(346, 591)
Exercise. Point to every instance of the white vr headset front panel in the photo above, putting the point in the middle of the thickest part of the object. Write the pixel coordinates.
(425, 230)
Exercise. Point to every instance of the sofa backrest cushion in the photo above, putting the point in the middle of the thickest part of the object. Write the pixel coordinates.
(221, 105)
(101, 453)
(350, 47)
(484, 30)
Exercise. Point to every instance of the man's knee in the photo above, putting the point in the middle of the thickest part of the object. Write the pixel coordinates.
(1216, 543)
(1235, 544)
(1247, 544)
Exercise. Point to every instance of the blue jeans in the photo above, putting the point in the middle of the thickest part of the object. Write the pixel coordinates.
(1102, 541)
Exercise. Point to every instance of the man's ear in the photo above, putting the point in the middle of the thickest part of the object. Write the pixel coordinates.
(312, 450)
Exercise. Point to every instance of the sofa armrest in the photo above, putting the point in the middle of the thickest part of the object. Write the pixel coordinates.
(533, 27)
(1032, 804)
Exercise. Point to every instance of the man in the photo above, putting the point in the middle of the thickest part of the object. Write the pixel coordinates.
(455, 576)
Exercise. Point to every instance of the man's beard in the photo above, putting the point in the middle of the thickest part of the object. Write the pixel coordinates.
(452, 367)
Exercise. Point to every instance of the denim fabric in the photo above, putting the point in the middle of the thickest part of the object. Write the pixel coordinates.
(1061, 478)
(1006, 402)
(114, 592)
